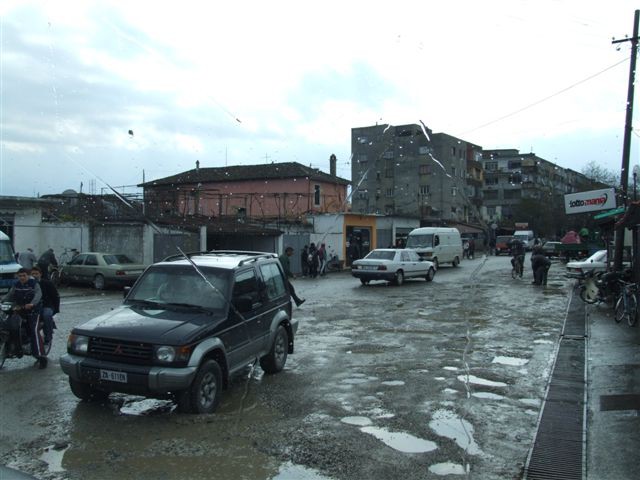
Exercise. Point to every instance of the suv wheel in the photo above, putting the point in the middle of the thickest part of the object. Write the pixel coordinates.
(86, 392)
(273, 362)
(205, 392)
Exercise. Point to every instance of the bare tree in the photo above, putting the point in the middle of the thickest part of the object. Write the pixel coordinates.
(598, 173)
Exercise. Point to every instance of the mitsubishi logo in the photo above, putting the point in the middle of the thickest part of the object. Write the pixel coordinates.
(118, 350)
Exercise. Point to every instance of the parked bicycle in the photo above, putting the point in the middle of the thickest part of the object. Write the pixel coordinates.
(627, 303)
(56, 273)
(334, 264)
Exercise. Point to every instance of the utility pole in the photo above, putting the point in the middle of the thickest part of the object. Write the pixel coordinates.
(626, 150)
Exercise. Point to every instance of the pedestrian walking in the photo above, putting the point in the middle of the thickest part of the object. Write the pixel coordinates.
(304, 261)
(540, 265)
(472, 248)
(286, 266)
(465, 249)
(313, 260)
(322, 257)
(27, 259)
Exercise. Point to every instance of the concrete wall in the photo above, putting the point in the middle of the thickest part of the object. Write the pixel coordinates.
(119, 238)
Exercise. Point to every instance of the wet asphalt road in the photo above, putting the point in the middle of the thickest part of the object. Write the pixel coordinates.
(386, 382)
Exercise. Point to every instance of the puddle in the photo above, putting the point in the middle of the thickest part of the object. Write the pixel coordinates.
(148, 406)
(393, 383)
(289, 471)
(532, 402)
(513, 361)
(487, 396)
(531, 412)
(403, 442)
(448, 468)
(450, 390)
(440, 379)
(358, 380)
(448, 424)
(452, 369)
(543, 341)
(480, 381)
(358, 421)
(53, 458)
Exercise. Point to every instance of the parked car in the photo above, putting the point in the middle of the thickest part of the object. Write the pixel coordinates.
(392, 265)
(551, 249)
(595, 263)
(101, 270)
(502, 244)
(184, 330)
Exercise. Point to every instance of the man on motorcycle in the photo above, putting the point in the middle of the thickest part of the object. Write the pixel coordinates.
(50, 304)
(517, 253)
(26, 296)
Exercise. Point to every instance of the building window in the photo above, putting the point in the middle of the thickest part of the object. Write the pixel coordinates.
(362, 140)
(491, 166)
(491, 180)
(423, 150)
(514, 164)
(424, 189)
(362, 158)
(453, 171)
(454, 191)
(453, 151)
(389, 193)
(424, 170)
(388, 154)
(316, 195)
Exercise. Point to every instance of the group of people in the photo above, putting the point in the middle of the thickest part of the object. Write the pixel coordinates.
(469, 248)
(28, 261)
(314, 260)
(540, 263)
(35, 301)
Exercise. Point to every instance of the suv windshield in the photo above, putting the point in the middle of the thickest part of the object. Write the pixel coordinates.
(182, 285)
(420, 241)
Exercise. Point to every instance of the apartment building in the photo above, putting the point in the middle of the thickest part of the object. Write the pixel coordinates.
(408, 170)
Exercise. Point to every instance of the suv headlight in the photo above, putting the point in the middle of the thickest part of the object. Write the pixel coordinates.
(169, 354)
(78, 344)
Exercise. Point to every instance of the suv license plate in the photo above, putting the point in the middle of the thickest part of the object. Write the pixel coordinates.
(111, 376)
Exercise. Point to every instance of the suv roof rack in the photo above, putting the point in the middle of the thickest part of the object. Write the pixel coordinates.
(254, 255)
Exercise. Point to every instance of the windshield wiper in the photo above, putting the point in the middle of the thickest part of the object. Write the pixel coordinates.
(143, 303)
(190, 306)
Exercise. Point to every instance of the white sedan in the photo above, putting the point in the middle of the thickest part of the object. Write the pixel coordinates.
(392, 265)
(595, 263)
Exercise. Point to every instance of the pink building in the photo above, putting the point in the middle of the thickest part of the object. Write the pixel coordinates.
(283, 191)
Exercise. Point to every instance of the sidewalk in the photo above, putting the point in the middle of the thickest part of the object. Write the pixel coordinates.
(613, 397)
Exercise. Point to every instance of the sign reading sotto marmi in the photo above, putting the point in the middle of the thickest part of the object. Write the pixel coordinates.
(591, 201)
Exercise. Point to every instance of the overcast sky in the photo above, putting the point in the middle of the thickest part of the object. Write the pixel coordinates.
(253, 82)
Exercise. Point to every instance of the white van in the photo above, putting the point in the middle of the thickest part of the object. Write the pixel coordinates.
(8, 265)
(526, 236)
(438, 244)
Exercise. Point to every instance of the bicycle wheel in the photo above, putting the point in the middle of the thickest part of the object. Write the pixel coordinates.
(621, 308)
(632, 309)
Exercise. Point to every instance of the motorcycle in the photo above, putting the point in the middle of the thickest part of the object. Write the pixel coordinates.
(12, 321)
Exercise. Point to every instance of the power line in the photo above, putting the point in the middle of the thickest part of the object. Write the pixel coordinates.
(538, 102)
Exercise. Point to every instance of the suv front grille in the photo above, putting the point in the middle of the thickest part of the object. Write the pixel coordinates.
(120, 351)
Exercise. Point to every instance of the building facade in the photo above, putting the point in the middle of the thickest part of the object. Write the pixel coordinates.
(407, 170)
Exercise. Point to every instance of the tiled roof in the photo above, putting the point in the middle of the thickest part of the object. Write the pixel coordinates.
(247, 172)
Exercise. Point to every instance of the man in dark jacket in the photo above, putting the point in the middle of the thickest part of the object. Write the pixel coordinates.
(540, 265)
(46, 259)
(50, 305)
(286, 266)
(26, 295)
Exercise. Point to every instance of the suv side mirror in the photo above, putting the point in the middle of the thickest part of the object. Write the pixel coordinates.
(125, 292)
(243, 303)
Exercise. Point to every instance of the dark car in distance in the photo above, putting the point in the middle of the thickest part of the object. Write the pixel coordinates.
(184, 329)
